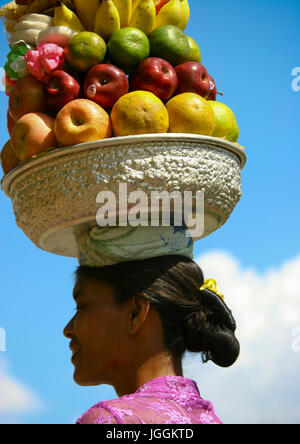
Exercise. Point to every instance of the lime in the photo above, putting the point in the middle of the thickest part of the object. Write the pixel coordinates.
(226, 126)
(195, 54)
(85, 50)
(128, 47)
(169, 43)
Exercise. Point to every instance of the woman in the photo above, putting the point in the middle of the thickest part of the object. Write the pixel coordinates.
(134, 322)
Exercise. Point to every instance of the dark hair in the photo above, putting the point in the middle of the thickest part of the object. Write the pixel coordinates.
(192, 320)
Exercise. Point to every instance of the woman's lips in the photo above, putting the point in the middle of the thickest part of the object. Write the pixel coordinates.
(74, 355)
(73, 350)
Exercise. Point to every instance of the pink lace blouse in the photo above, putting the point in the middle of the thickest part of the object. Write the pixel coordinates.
(163, 400)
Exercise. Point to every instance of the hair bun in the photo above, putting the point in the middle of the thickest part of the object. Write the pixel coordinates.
(215, 303)
(225, 348)
(210, 330)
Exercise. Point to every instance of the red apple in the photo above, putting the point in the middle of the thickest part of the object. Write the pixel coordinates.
(61, 89)
(105, 84)
(193, 77)
(33, 134)
(27, 96)
(157, 76)
(10, 123)
(8, 83)
(8, 158)
(213, 89)
(81, 121)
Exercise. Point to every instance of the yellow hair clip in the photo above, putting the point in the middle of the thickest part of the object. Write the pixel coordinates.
(211, 284)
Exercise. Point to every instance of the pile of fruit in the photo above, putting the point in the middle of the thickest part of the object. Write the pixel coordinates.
(85, 70)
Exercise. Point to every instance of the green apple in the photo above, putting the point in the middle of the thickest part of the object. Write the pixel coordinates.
(84, 50)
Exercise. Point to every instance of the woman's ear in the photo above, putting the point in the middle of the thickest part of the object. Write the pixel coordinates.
(140, 307)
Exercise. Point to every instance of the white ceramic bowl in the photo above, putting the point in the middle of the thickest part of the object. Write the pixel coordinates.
(54, 194)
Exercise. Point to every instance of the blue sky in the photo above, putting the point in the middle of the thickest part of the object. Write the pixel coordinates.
(250, 48)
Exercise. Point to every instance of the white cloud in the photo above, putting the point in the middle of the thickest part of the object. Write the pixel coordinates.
(264, 385)
(15, 398)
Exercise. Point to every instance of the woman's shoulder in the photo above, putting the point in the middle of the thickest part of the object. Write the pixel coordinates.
(115, 411)
(141, 408)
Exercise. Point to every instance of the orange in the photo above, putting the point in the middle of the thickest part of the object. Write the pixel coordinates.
(84, 50)
(226, 126)
(139, 112)
(190, 113)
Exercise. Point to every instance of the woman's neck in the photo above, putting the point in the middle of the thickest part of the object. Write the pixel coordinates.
(162, 364)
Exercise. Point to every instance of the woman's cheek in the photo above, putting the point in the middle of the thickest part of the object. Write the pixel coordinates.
(80, 325)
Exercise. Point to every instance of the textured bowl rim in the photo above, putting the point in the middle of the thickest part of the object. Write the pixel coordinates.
(62, 151)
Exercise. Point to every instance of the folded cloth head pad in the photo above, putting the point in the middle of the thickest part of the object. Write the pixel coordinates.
(99, 246)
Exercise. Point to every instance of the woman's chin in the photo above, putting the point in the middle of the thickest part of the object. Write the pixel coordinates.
(85, 380)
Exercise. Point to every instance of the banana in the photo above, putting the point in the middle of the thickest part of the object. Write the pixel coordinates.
(60, 35)
(29, 28)
(31, 25)
(124, 8)
(86, 11)
(63, 16)
(107, 19)
(41, 18)
(29, 36)
(144, 16)
(169, 14)
(134, 4)
(185, 14)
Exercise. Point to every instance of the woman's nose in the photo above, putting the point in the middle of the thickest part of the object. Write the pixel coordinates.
(68, 330)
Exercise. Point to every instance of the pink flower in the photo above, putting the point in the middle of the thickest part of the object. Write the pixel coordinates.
(45, 59)
(34, 65)
(52, 56)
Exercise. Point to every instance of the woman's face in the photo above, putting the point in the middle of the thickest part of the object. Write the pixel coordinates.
(97, 333)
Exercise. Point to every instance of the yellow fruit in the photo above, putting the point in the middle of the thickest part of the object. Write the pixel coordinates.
(190, 113)
(169, 14)
(239, 146)
(124, 8)
(185, 14)
(63, 16)
(134, 4)
(139, 112)
(226, 126)
(86, 11)
(144, 16)
(195, 54)
(107, 19)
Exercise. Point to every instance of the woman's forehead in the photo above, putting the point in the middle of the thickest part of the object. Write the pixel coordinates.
(86, 286)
